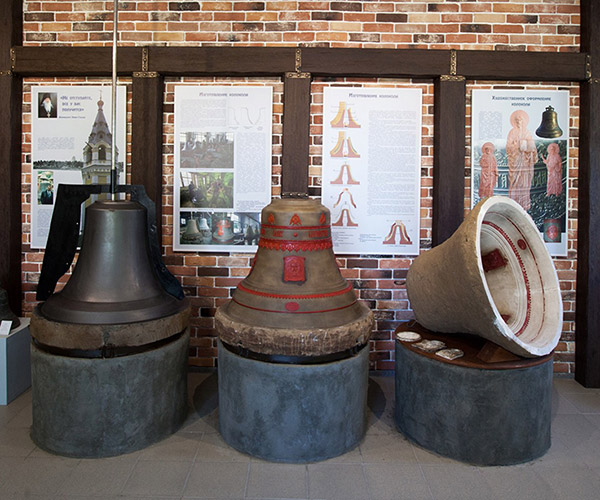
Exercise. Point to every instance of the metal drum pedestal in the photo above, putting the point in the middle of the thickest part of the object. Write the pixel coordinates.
(290, 412)
(495, 412)
(100, 407)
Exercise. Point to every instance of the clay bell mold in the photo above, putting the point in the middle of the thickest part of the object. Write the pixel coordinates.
(408, 336)
(295, 301)
(430, 345)
(450, 354)
(493, 278)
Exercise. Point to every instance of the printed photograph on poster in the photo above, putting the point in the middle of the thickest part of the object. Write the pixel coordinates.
(219, 228)
(71, 142)
(222, 166)
(372, 169)
(520, 149)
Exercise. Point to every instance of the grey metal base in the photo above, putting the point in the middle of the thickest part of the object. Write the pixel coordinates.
(105, 407)
(292, 413)
(478, 416)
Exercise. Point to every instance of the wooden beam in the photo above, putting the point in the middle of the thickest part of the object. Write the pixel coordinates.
(296, 133)
(448, 156)
(517, 65)
(75, 61)
(587, 319)
(227, 61)
(146, 138)
(375, 62)
(11, 13)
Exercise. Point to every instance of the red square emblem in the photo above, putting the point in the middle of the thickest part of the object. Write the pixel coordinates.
(293, 269)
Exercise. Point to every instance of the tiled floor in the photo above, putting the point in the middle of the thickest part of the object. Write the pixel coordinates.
(196, 463)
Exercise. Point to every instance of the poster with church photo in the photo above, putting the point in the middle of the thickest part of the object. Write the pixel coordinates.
(71, 141)
(519, 149)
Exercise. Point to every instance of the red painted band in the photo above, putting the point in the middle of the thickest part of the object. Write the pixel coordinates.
(298, 297)
(295, 228)
(294, 312)
(523, 272)
(295, 246)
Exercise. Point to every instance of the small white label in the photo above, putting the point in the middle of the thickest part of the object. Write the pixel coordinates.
(5, 328)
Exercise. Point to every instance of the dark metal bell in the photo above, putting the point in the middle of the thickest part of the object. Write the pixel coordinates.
(5, 312)
(549, 128)
(113, 281)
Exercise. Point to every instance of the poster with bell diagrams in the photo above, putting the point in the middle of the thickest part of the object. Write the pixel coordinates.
(520, 149)
(372, 168)
(71, 140)
(222, 166)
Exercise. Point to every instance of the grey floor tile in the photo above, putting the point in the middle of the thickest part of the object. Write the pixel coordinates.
(337, 482)
(396, 482)
(460, 482)
(561, 405)
(36, 476)
(212, 448)
(156, 478)
(588, 402)
(381, 421)
(425, 456)
(15, 442)
(566, 385)
(387, 448)
(517, 483)
(576, 483)
(277, 481)
(23, 418)
(178, 447)
(217, 480)
(98, 477)
(351, 457)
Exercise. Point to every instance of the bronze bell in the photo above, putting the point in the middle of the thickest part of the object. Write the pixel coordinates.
(549, 128)
(295, 300)
(5, 313)
(114, 281)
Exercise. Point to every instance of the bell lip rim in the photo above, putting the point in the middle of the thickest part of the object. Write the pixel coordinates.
(531, 349)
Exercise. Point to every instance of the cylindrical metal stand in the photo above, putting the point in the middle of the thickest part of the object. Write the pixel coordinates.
(103, 407)
(290, 412)
(471, 411)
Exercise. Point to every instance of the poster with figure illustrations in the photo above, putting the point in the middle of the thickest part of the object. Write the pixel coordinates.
(520, 149)
(222, 166)
(71, 141)
(371, 179)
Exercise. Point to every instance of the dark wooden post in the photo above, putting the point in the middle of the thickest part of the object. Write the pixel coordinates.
(146, 137)
(448, 156)
(11, 25)
(587, 319)
(296, 133)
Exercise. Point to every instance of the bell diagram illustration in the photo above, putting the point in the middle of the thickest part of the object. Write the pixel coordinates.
(344, 205)
(397, 232)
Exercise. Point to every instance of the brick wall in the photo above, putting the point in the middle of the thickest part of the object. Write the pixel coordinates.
(543, 25)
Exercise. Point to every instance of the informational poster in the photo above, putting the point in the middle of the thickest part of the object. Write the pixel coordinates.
(222, 166)
(371, 169)
(71, 140)
(520, 149)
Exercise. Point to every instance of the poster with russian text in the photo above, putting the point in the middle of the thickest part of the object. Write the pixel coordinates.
(71, 140)
(520, 149)
(222, 166)
(372, 169)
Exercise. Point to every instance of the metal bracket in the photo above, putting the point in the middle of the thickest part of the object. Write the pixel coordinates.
(298, 62)
(291, 74)
(453, 62)
(294, 194)
(145, 58)
(452, 78)
(6, 73)
(13, 58)
(145, 74)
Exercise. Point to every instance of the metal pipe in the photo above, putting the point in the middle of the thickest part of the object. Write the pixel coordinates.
(113, 148)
